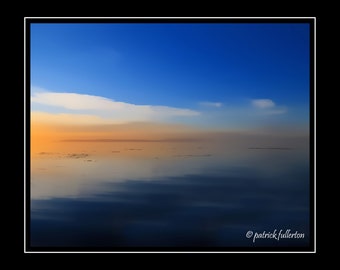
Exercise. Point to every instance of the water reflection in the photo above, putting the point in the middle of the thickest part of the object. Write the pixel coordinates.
(168, 195)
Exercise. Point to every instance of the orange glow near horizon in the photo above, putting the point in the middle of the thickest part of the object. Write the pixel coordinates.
(107, 138)
(140, 139)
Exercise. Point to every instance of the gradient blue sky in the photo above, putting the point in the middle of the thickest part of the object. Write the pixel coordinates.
(234, 75)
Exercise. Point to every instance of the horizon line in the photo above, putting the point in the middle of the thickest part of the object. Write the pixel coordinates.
(133, 140)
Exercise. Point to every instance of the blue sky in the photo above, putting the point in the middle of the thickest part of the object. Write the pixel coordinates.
(230, 74)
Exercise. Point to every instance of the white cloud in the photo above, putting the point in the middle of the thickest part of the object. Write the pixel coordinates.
(268, 107)
(110, 108)
(263, 103)
(69, 119)
(75, 101)
(211, 104)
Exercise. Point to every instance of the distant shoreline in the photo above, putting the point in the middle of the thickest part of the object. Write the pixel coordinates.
(133, 140)
(270, 148)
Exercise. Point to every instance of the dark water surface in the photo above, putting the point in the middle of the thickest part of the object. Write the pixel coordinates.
(182, 196)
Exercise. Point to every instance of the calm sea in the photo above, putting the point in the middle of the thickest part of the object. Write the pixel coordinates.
(171, 195)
